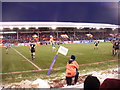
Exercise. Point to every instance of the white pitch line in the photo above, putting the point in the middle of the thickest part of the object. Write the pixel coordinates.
(27, 59)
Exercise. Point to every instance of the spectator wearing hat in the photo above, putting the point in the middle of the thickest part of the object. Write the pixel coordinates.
(72, 71)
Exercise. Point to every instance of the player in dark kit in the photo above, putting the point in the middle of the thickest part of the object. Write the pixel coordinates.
(115, 47)
(96, 44)
(7, 46)
(32, 48)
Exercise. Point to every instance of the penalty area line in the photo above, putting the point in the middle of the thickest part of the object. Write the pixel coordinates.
(27, 59)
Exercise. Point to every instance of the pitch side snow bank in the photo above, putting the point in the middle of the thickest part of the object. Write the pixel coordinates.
(101, 75)
(57, 83)
(40, 83)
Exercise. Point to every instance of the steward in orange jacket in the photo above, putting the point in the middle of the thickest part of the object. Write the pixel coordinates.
(72, 70)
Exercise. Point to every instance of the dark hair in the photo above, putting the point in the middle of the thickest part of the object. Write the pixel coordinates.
(70, 61)
(73, 57)
(91, 83)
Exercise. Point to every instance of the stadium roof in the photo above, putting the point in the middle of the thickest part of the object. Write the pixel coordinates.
(77, 12)
(54, 25)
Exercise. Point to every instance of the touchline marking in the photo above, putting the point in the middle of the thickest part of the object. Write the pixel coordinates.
(27, 59)
(59, 68)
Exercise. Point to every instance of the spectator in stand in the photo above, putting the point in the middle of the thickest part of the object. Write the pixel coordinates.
(91, 83)
(45, 36)
(72, 71)
(110, 84)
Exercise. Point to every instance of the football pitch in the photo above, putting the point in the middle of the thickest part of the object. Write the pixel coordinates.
(18, 59)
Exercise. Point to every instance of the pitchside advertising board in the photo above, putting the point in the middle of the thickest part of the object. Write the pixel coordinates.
(66, 42)
(89, 41)
(19, 44)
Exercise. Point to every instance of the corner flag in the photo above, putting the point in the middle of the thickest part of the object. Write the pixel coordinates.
(61, 50)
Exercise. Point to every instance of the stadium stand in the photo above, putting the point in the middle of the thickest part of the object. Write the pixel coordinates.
(45, 36)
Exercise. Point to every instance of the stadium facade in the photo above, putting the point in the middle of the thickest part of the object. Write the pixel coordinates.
(76, 32)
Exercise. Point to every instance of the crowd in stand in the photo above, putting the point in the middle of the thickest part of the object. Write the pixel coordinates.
(77, 36)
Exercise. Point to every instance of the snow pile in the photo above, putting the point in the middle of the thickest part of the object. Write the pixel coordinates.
(39, 83)
(61, 83)
(22, 84)
(101, 75)
(74, 86)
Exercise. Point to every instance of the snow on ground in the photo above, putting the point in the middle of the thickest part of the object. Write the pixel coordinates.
(101, 75)
(61, 83)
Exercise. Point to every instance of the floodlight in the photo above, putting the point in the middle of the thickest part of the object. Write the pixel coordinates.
(9, 32)
(53, 27)
(1, 28)
(78, 27)
(26, 27)
(11, 27)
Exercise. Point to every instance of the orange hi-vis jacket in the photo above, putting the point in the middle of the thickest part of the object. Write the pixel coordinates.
(71, 69)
